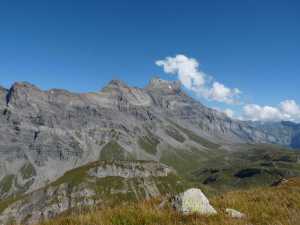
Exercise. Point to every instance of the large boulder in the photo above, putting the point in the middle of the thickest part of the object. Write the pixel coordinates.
(193, 201)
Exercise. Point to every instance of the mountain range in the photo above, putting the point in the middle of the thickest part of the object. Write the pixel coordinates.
(141, 141)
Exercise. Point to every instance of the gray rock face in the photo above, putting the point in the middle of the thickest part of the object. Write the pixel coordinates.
(131, 169)
(46, 204)
(3, 93)
(46, 133)
(193, 201)
(284, 133)
(95, 183)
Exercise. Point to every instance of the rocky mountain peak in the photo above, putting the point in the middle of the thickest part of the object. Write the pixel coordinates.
(23, 85)
(22, 91)
(165, 86)
(119, 93)
(116, 84)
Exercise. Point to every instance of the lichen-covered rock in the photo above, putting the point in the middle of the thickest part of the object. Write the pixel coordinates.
(193, 201)
(235, 214)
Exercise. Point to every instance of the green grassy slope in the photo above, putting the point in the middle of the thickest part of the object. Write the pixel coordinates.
(262, 206)
(250, 165)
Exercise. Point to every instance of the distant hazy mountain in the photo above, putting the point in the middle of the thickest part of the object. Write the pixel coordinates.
(287, 132)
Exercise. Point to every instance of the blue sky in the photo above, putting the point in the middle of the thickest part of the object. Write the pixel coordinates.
(251, 45)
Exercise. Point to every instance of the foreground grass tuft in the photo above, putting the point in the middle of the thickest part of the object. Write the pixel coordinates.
(263, 206)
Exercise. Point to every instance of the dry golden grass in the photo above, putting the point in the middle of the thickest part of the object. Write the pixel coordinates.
(263, 206)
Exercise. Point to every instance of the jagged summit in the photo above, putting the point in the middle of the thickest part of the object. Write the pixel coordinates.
(24, 84)
(22, 92)
(155, 83)
(115, 85)
(164, 85)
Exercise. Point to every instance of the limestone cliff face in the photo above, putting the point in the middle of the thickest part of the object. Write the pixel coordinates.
(130, 169)
(97, 183)
(46, 133)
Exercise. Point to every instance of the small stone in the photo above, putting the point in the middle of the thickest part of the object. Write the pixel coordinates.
(235, 214)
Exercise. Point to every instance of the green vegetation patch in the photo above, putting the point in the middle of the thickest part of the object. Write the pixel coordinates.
(8, 201)
(113, 151)
(28, 171)
(196, 138)
(186, 160)
(107, 185)
(149, 144)
(250, 166)
(6, 183)
(75, 176)
(175, 134)
(172, 184)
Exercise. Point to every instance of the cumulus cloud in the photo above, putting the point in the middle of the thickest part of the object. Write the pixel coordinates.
(192, 78)
(230, 113)
(219, 92)
(186, 69)
(190, 75)
(290, 108)
(265, 113)
(287, 110)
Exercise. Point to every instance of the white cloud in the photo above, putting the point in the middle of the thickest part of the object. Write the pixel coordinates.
(221, 93)
(189, 74)
(230, 113)
(287, 110)
(290, 107)
(186, 69)
(265, 113)
(191, 77)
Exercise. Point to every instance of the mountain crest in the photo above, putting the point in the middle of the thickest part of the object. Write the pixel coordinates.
(21, 90)
(116, 84)
(166, 86)
(24, 85)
